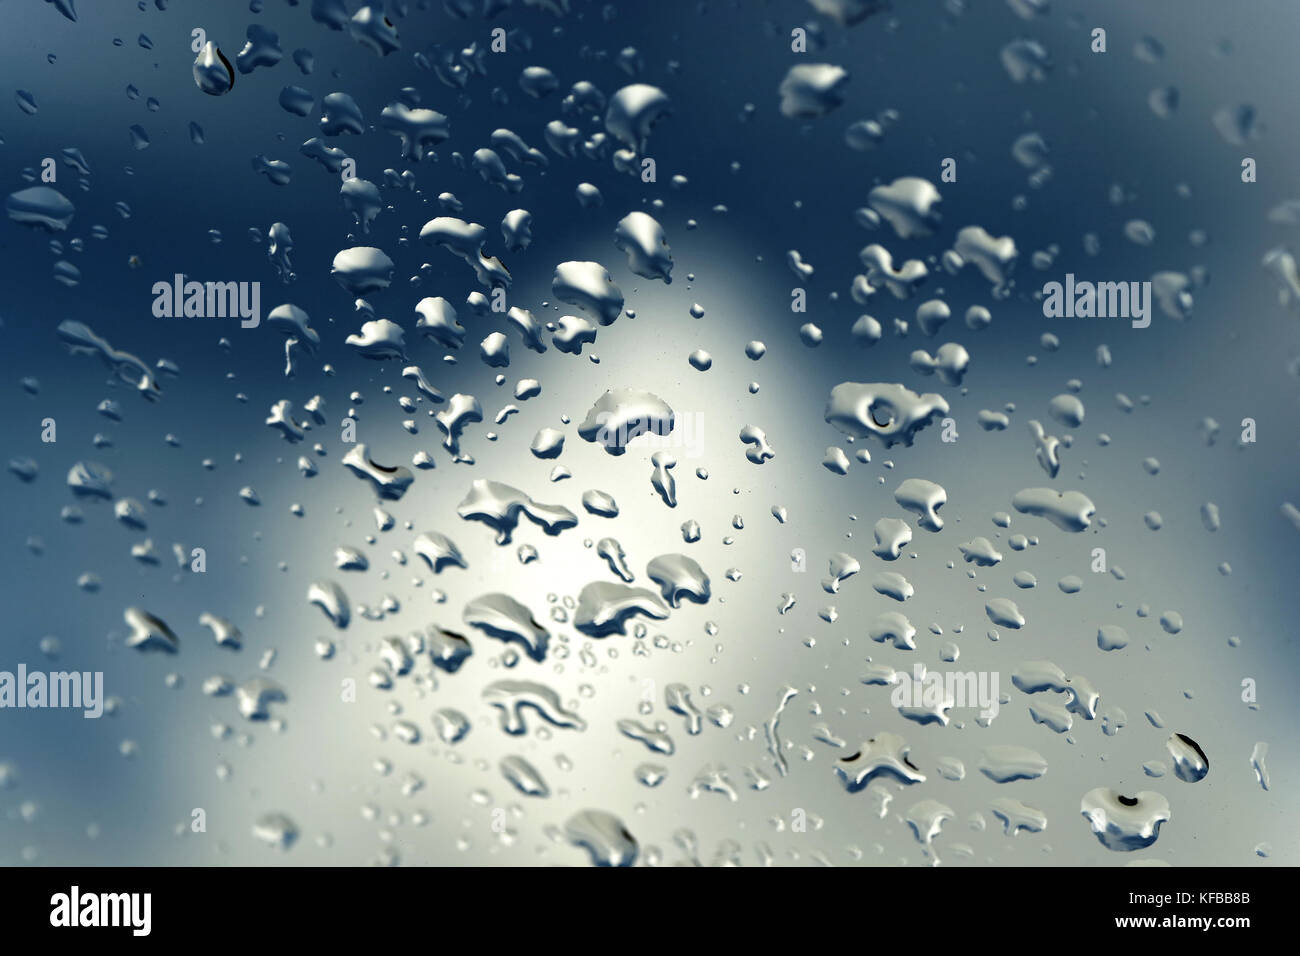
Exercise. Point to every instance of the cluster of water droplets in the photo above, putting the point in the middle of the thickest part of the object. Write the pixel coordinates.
(628, 598)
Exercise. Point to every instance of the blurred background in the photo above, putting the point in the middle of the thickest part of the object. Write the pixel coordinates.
(1153, 130)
